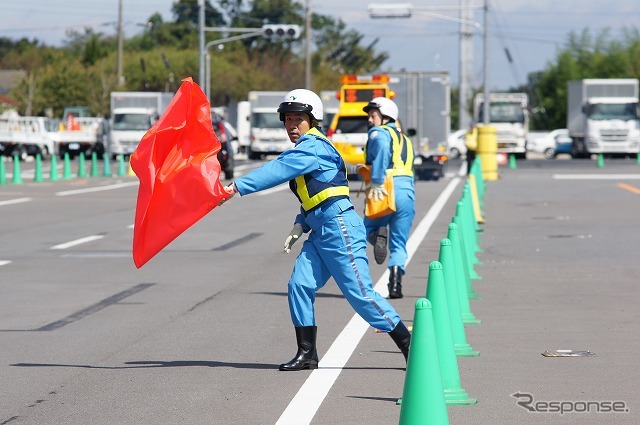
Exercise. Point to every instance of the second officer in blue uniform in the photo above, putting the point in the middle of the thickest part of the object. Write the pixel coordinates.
(336, 245)
(390, 152)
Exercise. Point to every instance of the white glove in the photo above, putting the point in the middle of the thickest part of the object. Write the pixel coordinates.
(377, 192)
(293, 237)
(230, 190)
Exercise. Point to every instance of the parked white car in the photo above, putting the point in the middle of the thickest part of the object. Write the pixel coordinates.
(546, 143)
(455, 143)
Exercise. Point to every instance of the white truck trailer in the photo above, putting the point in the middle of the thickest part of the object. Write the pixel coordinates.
(268, 135)
(602, 116)
(132, 115)
(424, 105)
(509, 115)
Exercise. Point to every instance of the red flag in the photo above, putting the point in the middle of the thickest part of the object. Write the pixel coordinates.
(179, 173)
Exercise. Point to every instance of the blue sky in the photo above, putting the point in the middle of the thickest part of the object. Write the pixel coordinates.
(531, 31)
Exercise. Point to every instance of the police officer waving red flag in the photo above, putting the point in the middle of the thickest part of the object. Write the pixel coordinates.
(336, 242)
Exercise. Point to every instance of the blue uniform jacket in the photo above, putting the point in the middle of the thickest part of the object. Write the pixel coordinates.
(310, 155)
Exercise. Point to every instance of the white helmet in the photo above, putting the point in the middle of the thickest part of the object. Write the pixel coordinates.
(301, 100)
(387, 107)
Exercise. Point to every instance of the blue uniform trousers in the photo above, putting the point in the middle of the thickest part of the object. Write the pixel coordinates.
(399, 222)
(337, 248)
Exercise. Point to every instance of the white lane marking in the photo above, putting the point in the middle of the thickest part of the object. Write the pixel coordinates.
(15, 201)
(596, 176)
(306, 402)
(4, 262)
(77, 242)
(96, 189)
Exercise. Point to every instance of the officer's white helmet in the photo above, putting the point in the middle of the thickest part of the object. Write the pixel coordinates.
(387, 107)
(301, 100)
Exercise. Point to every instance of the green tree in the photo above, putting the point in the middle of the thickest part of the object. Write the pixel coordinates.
(585, 56)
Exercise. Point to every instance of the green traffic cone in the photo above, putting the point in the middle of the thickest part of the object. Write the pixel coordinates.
(94, 164)
(82, 171)
(121, 168)
(54, 169)
(423, 395)
(17, 178)
(479, 181)
(512, 161)
(460, 345)
(107, 166)
(37, 175)
(3, 172)
(66, 170)
(600, 161)
(470, 273)
(436, 294)
(467, 239)
(462, 277)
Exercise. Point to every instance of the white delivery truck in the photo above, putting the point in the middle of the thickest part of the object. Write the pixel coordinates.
(602, 116)
(509, 115)
(132, 115)
(75, 135)
(24, 136)
(268, 135)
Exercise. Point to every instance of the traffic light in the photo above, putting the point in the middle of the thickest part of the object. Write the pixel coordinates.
(275, 32)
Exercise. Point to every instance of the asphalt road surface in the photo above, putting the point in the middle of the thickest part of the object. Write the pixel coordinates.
(196, 335)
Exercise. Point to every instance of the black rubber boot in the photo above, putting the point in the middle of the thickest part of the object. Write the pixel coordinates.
(378, 238)
(307, 356)
(395, 282)
(402, 337)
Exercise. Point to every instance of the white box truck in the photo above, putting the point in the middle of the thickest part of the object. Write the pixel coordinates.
(509, 115)
(602, 116)
(268, 135)
(132, 115)
(424, 105)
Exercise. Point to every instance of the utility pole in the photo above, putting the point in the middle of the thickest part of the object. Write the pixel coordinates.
(201, 50)
(487, 94)
(466, 65)
(307, 68)
(120, 82)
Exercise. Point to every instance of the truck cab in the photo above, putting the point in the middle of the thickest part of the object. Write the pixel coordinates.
(611, 126)
(127, 127)
(132, 115)
(268, 135)
(509, 115)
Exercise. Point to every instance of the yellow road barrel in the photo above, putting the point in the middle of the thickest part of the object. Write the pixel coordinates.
(487, 150)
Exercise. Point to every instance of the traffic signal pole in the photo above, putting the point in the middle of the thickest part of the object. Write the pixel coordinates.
(271, 32)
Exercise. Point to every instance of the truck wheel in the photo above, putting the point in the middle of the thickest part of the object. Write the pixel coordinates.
(44, 153)
(254, 155)
(21, 151)
(99, 150)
